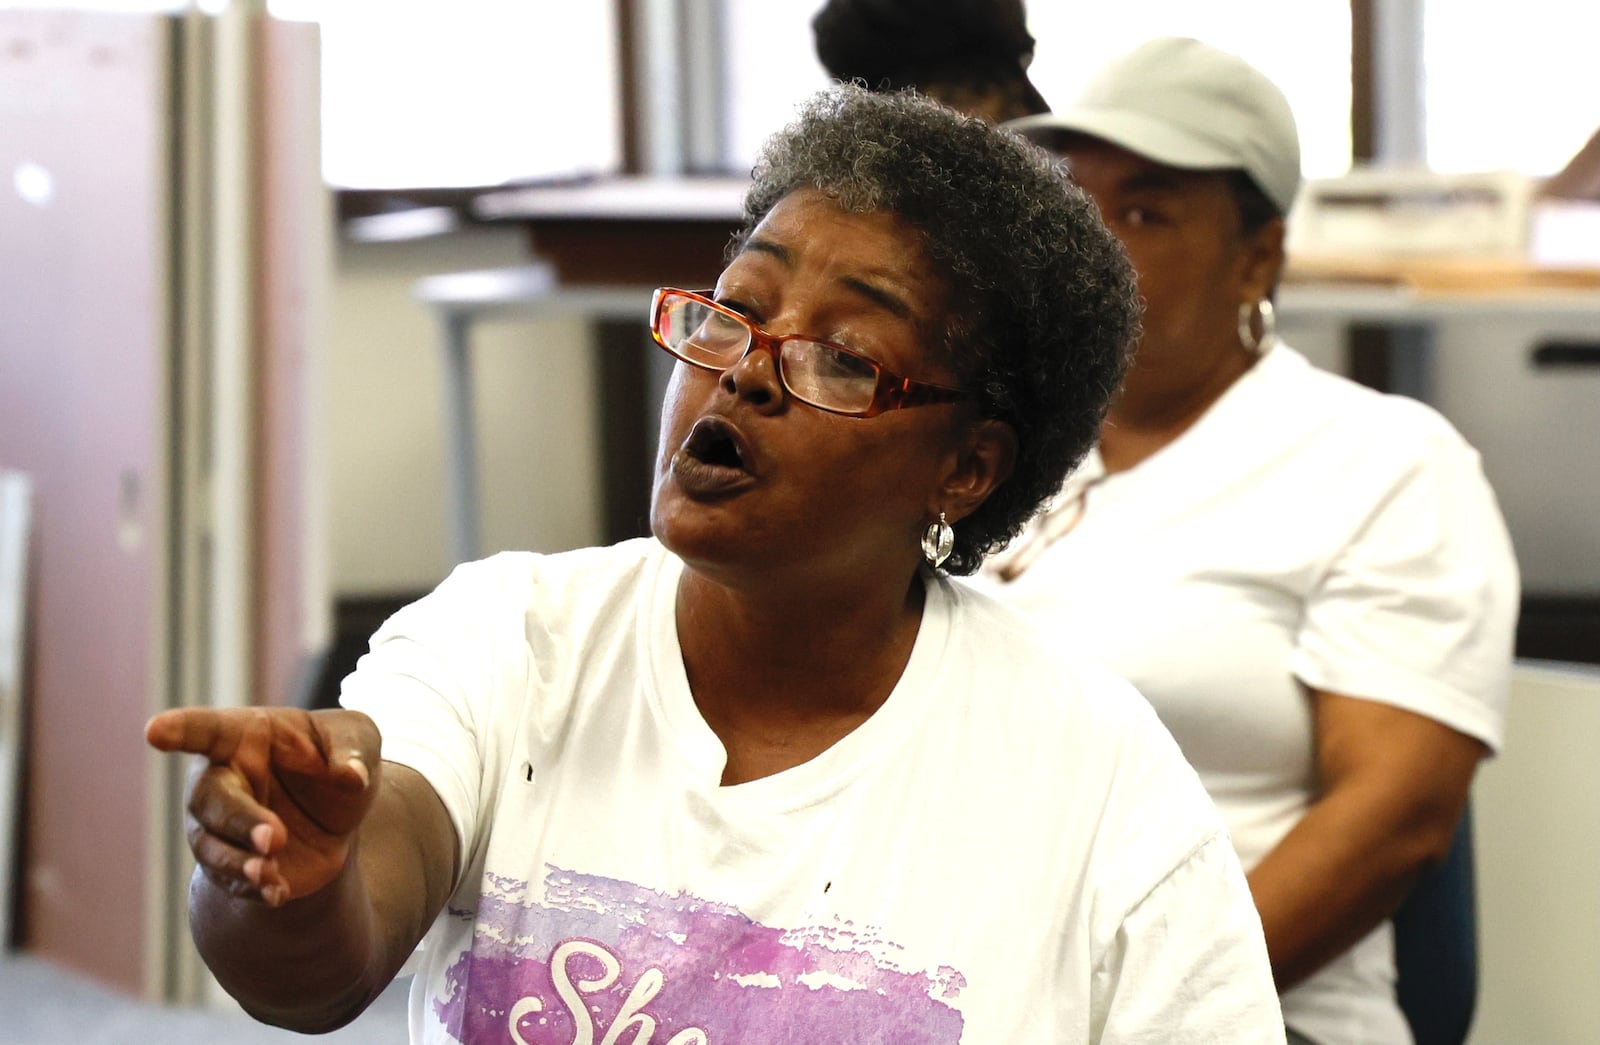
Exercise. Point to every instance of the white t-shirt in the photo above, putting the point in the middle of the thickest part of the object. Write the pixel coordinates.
(1011, 849)
(1304, 532)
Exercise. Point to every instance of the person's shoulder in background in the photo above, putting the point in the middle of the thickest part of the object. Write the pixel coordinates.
(1353, 419)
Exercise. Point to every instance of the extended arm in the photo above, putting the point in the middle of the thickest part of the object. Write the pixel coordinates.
(1580, 178)
(319, 867)
(1392, 787)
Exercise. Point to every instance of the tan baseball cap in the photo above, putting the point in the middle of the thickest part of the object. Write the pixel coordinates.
(1187, 104)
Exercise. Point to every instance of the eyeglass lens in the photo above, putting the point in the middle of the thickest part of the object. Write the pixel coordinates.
(813, 372)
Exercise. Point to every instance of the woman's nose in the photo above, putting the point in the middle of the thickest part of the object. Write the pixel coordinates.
(755, 377)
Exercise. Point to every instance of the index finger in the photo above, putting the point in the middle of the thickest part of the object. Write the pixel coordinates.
(342, 743)
(213, 732)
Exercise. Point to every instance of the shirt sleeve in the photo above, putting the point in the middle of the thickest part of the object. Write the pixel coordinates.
(433, 677)
(1189, 963)
(1419, 609)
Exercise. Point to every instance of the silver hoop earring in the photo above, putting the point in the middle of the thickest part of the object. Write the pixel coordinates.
(1269, 326)
(938, 541)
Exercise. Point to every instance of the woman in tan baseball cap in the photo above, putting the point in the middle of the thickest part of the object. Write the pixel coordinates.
(1310, 580)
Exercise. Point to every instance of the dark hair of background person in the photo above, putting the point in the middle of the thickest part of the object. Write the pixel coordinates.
(972, 55)
(1042, 310)
(1255, 210)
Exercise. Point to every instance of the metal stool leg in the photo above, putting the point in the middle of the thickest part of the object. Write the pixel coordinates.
(461, 436)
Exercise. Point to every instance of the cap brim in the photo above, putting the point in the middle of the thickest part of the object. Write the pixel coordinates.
(1151, 138)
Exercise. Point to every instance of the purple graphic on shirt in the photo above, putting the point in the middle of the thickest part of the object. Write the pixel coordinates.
(600, 961)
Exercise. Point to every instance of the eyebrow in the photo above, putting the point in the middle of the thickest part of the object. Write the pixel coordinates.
(882, 297)
(885, 299)
(767, 246)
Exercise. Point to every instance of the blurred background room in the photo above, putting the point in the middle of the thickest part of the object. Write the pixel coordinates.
(304, 301)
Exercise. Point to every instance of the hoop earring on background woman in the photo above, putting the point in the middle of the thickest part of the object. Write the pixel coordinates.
(938, 541)
(1269, 326)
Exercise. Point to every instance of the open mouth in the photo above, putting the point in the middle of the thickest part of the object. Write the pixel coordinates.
(712, 441)
(714, 461)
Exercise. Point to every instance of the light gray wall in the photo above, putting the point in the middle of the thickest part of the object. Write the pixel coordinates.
(1538, 430)
(537, 435)
(1536, 824)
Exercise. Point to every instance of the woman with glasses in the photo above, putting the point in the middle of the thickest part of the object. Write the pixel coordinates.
(768, 776)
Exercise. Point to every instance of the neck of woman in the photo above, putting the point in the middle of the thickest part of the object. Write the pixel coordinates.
(780, 677)
(1155, 408)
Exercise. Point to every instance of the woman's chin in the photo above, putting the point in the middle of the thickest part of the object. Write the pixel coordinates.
(692, 531)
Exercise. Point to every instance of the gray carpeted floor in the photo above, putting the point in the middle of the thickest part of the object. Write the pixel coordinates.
(43, 1004)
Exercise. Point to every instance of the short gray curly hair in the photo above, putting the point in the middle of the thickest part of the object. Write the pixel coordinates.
(1043, 309)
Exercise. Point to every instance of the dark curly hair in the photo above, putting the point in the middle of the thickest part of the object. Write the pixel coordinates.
(972, 55)
(1042, 312)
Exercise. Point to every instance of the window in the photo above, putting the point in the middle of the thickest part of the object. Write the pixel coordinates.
(772, 65)
(1508, 92)
(474, 92)
(124, 6)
